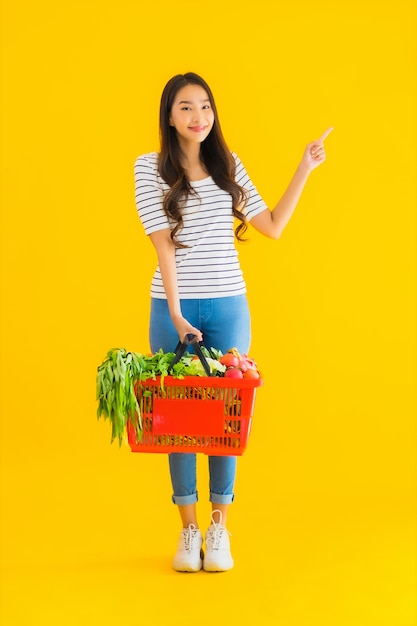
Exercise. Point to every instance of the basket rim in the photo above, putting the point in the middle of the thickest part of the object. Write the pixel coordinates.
(203, 381)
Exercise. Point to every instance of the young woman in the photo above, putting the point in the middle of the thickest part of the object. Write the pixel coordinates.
(189, 197)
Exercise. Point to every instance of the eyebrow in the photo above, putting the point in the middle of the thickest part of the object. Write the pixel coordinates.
(189, 101)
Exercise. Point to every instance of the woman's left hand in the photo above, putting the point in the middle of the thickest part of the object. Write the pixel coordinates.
(315, 153)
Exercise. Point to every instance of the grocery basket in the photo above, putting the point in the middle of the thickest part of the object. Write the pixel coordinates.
(208, 414)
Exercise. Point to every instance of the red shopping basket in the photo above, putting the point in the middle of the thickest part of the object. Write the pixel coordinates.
(207, 414)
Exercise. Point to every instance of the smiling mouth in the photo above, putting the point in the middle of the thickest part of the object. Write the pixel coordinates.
(198, 129)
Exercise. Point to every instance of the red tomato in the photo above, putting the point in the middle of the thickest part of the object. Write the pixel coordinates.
(229, 360)
(233, 372)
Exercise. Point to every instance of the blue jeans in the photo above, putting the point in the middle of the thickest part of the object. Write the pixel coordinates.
(225, 324)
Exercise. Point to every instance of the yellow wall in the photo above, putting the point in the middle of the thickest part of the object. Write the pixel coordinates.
(333, 302)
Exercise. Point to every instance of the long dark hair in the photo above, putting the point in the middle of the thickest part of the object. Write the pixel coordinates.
(214, 154)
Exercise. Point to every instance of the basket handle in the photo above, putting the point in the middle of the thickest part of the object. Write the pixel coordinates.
(181, 348)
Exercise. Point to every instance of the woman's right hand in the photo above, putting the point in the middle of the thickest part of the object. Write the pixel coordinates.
(183, 328)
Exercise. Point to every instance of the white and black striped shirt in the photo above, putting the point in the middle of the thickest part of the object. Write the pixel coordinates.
(209, 267)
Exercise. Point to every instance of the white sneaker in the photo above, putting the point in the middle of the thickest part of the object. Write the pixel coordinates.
(189, 554)
(217, 557)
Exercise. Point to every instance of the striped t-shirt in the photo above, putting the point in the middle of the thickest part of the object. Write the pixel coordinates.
(209, 267)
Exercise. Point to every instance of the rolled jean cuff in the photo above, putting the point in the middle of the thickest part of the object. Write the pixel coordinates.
(192, 498)
(218, 498)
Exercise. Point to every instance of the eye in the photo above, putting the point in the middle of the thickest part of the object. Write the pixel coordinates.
(206, 106)
(185, 108)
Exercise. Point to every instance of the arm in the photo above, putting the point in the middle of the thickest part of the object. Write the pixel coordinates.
(272, 223)
(165, 250)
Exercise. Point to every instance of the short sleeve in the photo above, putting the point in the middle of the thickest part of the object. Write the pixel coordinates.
(255, 204)
(149, 194)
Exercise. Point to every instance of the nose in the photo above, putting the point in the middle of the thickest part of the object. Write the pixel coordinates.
(197, 116)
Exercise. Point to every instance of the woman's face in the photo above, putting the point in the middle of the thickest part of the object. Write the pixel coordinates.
(191, 114)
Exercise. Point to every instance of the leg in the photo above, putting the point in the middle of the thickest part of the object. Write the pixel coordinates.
(188, 515)
(183, 469)
(222, 471)
(188, 557)
(219, 513)
(218, 332)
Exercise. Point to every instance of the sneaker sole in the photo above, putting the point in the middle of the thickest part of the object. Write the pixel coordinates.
(189, 569)
(212, 567)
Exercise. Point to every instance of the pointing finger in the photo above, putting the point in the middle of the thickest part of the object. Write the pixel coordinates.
(326, 133)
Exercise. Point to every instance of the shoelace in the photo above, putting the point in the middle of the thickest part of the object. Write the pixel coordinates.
(215, 535)
(189, 535)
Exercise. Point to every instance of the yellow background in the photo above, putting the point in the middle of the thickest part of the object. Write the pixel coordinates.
(324, 522)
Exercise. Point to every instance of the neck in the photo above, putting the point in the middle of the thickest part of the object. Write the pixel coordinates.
(190, 156)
